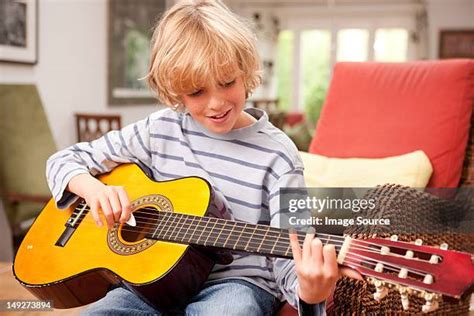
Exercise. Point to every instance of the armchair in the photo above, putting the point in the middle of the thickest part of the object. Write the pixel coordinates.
(376, 110)
(26, 143)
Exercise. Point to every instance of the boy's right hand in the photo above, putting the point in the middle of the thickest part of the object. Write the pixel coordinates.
(113, 201)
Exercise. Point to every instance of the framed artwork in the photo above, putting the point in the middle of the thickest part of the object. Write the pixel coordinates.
(130, 29)
(456, 44)
(19, 31)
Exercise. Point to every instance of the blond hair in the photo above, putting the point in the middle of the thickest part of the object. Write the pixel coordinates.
(197, 43)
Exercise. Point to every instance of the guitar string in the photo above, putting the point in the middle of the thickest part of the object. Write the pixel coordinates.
(393, 267)
(263, 227)
(301, 236)
(350, 262)
(264, 230)
(185, 217)
(178, 230)
(386, 264)
(352, 256)
(320, 235)
(157, 214)
(261, 243)
(348, 256)
(420, 284)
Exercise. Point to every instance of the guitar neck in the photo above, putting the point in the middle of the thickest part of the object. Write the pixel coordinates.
(225, 234)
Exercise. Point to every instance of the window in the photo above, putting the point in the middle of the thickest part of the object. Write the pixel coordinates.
(391, 45)
(352, 45)
(316, 58)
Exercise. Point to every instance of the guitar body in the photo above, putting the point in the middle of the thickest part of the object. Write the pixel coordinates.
(80, 268)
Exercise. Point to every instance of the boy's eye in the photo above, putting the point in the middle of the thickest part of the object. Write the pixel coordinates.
(195, 93)
(228, 84)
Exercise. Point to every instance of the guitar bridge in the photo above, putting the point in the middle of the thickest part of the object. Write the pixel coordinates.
(74, 220)
(65, 236)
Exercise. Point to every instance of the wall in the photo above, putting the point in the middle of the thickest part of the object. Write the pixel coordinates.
(71, 72)
(452, 14)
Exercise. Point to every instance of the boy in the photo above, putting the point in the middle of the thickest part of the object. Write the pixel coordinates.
(204, 65)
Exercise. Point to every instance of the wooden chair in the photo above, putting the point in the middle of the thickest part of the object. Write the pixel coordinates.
(275, 115)
(268, 105)
(92, 126)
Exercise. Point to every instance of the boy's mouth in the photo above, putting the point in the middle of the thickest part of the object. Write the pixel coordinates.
(220, 117)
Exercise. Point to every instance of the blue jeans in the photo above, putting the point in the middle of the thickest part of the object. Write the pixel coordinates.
(221, 298)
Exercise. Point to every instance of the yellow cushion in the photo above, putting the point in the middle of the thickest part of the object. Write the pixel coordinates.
(412, 169)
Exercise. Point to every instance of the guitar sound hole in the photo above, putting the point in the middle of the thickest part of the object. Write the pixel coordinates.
(145, 224)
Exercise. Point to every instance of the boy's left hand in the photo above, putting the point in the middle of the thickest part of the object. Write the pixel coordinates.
(316, 268)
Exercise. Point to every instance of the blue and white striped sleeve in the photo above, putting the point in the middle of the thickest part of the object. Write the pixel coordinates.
(284, 269)
(131, 144)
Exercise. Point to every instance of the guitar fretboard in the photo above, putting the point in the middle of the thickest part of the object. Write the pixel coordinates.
(221, 233)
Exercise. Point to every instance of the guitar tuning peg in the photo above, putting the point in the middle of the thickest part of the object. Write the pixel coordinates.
(431, 303)
(443, 246)
(384, 250)
(404, 297)
(428, 279)
(380, 290)
(418, 242)
(403, 273)
(394, 238)
(434, 259)
(379, 267)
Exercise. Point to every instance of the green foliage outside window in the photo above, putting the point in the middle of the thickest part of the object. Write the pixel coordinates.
(137, 50)
(284, 69)
(315, 67)
(314, 103)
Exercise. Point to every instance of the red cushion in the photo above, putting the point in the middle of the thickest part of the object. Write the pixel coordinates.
(376, 110)
(294, 118)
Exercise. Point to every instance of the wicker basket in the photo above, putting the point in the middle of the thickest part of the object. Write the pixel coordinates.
(414, 214)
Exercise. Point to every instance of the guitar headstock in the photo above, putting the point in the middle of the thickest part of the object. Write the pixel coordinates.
(412, 268)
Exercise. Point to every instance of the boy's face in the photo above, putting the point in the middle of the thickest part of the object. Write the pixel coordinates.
(219, 109)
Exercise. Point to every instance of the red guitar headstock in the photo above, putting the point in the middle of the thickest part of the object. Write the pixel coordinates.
(412, 267)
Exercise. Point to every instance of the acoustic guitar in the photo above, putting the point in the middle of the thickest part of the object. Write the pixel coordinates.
(180, 230)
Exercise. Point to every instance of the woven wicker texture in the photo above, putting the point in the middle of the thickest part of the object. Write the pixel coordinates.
(414, 214)
(467, 176)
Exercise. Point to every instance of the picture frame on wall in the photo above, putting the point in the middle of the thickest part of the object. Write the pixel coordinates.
(19, 31)
(130, 29)
(456, 44)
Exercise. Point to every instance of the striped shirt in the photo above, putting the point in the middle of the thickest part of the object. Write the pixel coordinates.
(247, 166)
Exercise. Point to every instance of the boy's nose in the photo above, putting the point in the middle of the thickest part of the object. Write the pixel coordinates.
(216, 103)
